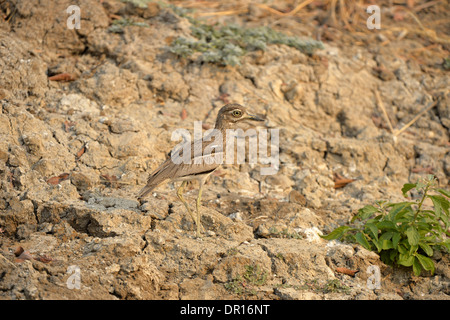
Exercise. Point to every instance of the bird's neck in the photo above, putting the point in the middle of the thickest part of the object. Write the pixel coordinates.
(220, 124)
(223, 124)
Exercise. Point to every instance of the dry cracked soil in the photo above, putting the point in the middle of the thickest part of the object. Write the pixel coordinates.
(86, 114)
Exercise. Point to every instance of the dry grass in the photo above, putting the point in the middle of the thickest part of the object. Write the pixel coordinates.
(396, 132)
(398, 17)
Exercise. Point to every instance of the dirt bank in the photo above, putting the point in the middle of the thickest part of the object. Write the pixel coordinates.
(74, 153)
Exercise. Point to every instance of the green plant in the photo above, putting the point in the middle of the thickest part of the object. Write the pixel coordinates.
(335, 286)
(138, 3)
(446, 63)
(118, 25)
(254, 275)
(403, 233)
(226, 44)
(285, 233)
(245, 283)
(330, 286)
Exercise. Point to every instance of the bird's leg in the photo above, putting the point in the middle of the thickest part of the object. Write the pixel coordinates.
(180, 196)
(199, 197)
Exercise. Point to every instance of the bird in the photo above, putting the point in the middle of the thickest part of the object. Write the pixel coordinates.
(198, 168)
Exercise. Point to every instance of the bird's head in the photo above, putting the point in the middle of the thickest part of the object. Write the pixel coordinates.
(233, 113)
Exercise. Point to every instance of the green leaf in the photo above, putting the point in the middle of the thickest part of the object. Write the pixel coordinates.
(446, 244)
(413, 249)
(402, 249)
(413, 236)
(424, 227)
(362, 240)
(365, 212)
(387, 235)
(373, 229)
(426, 248)
(386, 256)
(420, 185)
(399, 209)
(377, 244)
(405, 260)
(393, 255)
(385, 241)
(426, 262)
(444, 192)
(386, 244)
(386, 225)
(416, 266)
(407, 187)
(395, 239)
(440, 203)
(337, 233)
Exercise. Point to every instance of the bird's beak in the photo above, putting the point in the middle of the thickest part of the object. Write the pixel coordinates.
(254, 117)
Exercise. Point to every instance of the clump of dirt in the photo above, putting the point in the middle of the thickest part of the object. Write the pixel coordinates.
(86, 114)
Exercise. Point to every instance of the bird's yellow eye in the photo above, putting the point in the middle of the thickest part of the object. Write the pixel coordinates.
(236, 113)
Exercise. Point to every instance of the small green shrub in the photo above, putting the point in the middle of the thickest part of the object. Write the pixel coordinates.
(404, 233)
(254, 275)
(118, 25)
(226, 44)
(246, 283)
(138, 3)
(446, 63)
(314, 285)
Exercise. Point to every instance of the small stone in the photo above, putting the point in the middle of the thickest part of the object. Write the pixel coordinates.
(81, 181)
(262, 231)
(237, 216)
(121, 126)
(297, 197)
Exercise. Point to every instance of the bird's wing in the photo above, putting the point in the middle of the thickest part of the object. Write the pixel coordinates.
(175, 168)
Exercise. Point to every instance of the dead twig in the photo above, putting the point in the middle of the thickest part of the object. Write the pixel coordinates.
(290, 13)
(394, 132)
(426, 5)
(299, 7)
(381, 105)
(221, 13)
(406, 126)
(8, 261)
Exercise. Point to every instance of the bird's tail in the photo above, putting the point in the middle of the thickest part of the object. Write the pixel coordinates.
(146, 190)
(153, 181)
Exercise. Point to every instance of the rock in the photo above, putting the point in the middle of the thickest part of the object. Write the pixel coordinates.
(50, 212)
(129, 144)
(81, 181)
(78, 103)
(279, 182)
(293, 93)
(145, 277)
(383, 73)
(200, 289)
(23, 71)
(18, 213)
(235, 263)
(297, 197)
(24, 231)
(170, 84)
(121, 126)
(119, 86)
(225, 227)
(293, 294)
(116, 222)
(296, 259)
